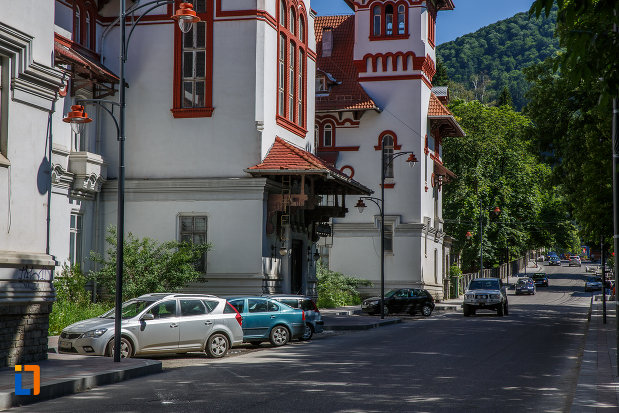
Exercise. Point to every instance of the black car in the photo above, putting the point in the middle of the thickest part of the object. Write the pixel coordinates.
(403, 300)
(540, 279)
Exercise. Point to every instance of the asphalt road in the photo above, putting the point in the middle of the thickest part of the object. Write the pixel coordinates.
(527, 361)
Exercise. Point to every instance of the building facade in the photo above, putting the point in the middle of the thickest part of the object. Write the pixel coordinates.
(374, 99)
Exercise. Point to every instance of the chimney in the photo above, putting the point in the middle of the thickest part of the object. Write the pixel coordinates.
(327, 41)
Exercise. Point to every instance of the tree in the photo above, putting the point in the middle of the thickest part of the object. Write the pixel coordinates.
(505, 98)
(497, 166)
(585, 29)
(572, 131)
(149, 266)
(440, 78)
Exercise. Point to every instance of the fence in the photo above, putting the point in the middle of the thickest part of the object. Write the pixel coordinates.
(514, 267)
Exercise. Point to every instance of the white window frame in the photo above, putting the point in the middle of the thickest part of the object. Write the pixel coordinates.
(197, 50)
(181, 234)
(76, 230)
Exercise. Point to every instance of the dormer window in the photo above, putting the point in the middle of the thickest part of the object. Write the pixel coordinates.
(389, 21)
(321, 83)
(84, 15)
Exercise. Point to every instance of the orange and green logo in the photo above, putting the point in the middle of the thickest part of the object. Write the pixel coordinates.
(36, 388)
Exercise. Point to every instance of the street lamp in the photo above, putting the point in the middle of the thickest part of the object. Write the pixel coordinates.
(185, 16)
(380, 203)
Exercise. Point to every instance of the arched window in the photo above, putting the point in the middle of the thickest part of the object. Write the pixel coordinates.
(282, 13)
(321, 83)
(401, 19)
(301, 29)
(387, 154)
(87, 31)
(291, 67)
(389, 20)
(316, 137)
(293, 19)
(376, 21)
(77, 25)
(327, 135)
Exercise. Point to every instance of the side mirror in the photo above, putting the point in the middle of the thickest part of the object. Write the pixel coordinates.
(147, 316)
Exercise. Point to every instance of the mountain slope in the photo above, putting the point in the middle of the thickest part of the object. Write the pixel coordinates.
(482, 63)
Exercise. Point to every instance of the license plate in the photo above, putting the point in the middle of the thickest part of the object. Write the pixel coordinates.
(65, 345)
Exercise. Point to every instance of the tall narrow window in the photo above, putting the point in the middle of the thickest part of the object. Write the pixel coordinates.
(77, 25)
(389, 20)
(75, 239)
(388, 238)
(291, 66)
(193, 70)
(193, 229)
(376, 21)
(316, 137)
(87, 31)
(291, 79)
(282, 76)
(327, 136)
(387, 155)
(401, 19)
(431, 27)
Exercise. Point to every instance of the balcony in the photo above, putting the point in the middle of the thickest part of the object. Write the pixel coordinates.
(89, 170)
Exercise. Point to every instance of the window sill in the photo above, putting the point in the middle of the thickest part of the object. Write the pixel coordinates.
(392, 37)
(192, 112)
(4, 162)
(291, 126)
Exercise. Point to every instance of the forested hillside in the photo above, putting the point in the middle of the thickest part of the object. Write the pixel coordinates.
(481, 64)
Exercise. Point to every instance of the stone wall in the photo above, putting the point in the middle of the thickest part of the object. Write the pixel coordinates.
(23, 333)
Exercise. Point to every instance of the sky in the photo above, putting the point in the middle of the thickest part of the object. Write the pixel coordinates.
(467, 17)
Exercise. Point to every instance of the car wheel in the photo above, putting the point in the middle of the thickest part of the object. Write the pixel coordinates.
(279, 336)
(126, 349)
(499, 311)
(217, 346)
(466, 310)
(426, 310)
(506, 309)
(308, 332)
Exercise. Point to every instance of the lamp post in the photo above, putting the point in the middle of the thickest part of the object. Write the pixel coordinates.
(380, 203)
(185, 17)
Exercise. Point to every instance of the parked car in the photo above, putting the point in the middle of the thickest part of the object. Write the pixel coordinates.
(266, 319)
(554, 260)
(485, 294)
(525, 286)
(540, 279)
(159, 323)
(403, 300)
(574, 260)
(593, 283)
(313, 319)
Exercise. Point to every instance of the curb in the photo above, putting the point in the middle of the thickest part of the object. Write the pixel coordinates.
(367, 326)
(78, 384)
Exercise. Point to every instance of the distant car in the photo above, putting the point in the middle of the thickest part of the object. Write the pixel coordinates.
(485, 294)
(403, 300)
(159, 323)
(540, 279)
(593, 283)
(554, 260)
(574, 261)
(313, 319)
(525, 286)
(265, 319)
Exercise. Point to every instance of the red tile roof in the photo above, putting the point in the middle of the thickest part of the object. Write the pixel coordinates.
(284, 157)
(436, 108)
(348, 93)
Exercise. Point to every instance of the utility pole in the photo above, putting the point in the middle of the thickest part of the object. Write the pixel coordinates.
(616, 201)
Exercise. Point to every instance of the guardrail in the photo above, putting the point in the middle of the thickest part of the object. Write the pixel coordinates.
(511, 268)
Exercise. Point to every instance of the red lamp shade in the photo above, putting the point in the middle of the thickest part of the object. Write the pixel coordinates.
(497, 210)
(469, 235)
(360, 205)
(412, 160)
(77, 118)
(185, 16)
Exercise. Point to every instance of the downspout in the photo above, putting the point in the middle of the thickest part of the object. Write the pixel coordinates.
(49, 141)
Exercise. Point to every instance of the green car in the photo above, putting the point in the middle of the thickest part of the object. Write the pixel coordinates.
(268, 320)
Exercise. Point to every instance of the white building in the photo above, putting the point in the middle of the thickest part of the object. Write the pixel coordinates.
(373, 82)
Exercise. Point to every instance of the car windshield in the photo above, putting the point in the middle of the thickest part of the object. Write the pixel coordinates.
(484, 285)
(130, 308)
(523, 282)
(390, 293)
(594, 279)
(538, 276)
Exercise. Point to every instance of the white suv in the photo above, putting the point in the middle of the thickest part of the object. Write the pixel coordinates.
(485, 294)
(575, 260)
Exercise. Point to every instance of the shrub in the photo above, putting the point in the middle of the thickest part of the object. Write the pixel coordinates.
(455, 271)
(65, 313)
(149, 266)
(336, 290)
(71, 285)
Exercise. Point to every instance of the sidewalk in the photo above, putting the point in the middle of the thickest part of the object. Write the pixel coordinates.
(64, 374)
(598, 383)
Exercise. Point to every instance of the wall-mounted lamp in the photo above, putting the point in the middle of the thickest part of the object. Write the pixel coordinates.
(283, 251)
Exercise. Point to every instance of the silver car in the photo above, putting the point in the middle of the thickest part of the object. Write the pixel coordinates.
(159, 323)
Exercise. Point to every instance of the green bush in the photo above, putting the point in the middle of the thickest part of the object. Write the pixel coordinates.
(65, 313)
(336, 290)
(455, 271)
(71, 285)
